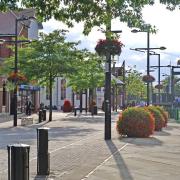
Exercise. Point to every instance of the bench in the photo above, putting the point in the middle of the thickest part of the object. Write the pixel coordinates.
(26, 121)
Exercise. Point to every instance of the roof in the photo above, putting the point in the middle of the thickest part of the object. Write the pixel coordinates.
(7, 20)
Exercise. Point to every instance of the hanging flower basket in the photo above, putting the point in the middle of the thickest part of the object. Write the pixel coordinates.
(148, 78)
(178, 62)
(159, 86)
(112, 46)
(18, 77)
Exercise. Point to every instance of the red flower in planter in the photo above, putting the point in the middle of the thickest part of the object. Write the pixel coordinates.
(148, 78)
(67, 107)
(17, 77)
(112, 46)
(159, 86)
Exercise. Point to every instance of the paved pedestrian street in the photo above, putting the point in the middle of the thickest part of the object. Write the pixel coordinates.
(78, 150)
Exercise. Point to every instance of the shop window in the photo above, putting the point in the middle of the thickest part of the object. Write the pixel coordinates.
(63, 89)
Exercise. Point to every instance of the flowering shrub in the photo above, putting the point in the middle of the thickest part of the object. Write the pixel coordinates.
(67, 107)
(135, 122)
(17, 77)
(164, 114)
(148, 78)
(112, 46)
(159, 119)
(159, 86)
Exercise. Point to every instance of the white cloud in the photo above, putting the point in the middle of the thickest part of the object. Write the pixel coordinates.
(168, 35)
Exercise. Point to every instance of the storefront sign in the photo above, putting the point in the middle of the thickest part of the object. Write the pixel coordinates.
(29, 87)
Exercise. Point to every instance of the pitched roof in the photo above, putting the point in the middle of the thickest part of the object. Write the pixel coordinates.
(7, 20)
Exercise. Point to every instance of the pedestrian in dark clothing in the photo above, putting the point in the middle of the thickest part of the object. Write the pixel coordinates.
(28, 107)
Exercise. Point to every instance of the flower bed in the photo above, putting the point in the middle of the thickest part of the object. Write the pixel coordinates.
(159, 86)
(112, 46)
(159, 119)
(164, 114)
(135, 122)
(148, 78)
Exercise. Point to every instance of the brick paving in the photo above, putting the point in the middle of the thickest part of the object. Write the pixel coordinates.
(78, 150)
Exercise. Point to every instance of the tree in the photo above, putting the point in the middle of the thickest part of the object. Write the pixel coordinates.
(44, 60)
(100, 11)
(135, 87)
(89, 73)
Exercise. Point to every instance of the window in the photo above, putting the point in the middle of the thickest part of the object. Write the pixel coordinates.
(63, 89)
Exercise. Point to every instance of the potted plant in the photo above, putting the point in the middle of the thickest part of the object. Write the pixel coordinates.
(159, 86)
(107, 45)
(148, 78)
(17, 77)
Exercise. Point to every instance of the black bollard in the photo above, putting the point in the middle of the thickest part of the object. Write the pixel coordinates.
(43, 159)
(40, 116)
(18, 162)
(44, 114)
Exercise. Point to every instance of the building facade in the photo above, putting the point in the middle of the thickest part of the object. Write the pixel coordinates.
(28, 29)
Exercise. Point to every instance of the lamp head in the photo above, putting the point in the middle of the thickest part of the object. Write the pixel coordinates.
(117, 31)
(162, 48)
(134, 31)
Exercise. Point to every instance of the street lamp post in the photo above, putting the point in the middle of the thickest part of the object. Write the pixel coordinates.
(107, 93)
(148, 44)
(23, 18)
(148, 54)
(159, 72)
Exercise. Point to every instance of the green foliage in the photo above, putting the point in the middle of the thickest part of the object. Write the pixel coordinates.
(135, 122)
(88, 72)
(135, 88)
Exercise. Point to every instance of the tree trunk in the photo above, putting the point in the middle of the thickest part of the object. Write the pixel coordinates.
(50, 98)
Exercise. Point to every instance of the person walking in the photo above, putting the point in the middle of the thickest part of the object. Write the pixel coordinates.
(28, 107)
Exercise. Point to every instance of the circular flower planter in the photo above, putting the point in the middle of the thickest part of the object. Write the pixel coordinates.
(112, 46)
(148, 78)
(159, 86)
(19, 78)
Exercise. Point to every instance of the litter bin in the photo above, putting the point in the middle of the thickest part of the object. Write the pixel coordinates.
(44, 114)
(18, 162)
(95, 110)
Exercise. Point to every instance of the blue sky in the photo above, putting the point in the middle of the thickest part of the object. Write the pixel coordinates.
(168, 25)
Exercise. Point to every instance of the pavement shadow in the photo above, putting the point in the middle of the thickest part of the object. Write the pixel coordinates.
(87, 119)
(56, 132)
(122, 167)
(151, 141)
(161, 133)
(38, 177)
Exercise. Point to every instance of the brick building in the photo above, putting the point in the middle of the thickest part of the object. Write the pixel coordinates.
(28, 29)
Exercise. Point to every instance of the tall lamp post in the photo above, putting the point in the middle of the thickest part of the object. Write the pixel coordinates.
(159, 78)
(148, 45)
(23, 18)
(148, 54)
(107, 94)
